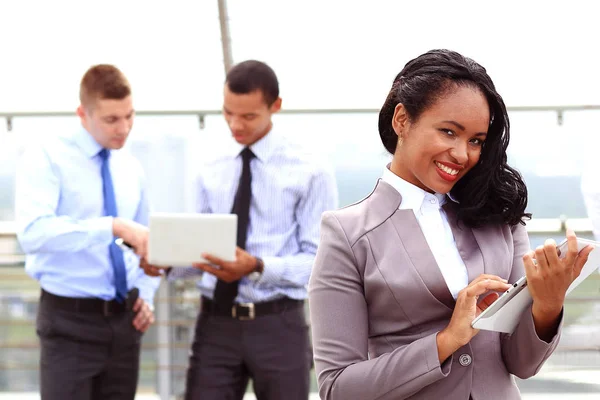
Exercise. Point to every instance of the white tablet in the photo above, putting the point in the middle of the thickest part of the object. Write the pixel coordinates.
(505, 313)
(178, 240)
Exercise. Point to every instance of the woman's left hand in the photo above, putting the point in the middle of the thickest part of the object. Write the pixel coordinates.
(548, 279)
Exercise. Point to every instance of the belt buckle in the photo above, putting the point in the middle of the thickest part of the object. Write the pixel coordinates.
(249, 306)
(106, 308)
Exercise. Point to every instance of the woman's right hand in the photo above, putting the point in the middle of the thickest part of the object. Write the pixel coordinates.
(459, 331)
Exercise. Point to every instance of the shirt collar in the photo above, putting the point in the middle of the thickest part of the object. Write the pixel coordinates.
(412, 196)
(87, 143)
(263, 148)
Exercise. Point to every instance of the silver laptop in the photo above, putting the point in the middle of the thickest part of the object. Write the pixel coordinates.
(180, 239)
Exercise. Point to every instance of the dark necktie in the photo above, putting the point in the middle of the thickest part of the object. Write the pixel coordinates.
(110, 209)
(225, 293)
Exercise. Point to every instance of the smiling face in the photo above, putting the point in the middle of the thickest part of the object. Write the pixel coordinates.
(444, 142)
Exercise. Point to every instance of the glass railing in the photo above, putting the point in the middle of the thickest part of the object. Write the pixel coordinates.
(574, 367)
(169, 144)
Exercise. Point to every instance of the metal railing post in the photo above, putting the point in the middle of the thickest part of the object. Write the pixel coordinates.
(163, 314)
(225, 36)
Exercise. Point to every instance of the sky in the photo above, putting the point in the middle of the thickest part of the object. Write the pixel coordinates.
(326, 53)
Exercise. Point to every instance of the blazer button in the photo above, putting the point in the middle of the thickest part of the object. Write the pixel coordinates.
(465, 360)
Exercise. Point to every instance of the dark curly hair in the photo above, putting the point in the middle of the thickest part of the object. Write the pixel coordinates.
(491, 192)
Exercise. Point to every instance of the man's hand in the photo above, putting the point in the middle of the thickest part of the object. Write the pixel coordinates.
(144, 316)
(229, 271)
(152, 270)
(133, 233)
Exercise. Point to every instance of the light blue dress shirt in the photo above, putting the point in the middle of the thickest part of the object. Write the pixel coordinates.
(60, 218)
(290, 191)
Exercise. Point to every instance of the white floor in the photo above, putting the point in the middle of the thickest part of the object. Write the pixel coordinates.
(579, 376)
(527, 396)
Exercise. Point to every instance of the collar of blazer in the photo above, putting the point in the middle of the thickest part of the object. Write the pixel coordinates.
(384, 201)
(474, 245)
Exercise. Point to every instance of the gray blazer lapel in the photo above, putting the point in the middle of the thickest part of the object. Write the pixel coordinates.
(414, 242)
(467, 244)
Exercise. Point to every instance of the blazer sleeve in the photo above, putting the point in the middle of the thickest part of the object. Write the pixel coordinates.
(524, 353)
(340, 329)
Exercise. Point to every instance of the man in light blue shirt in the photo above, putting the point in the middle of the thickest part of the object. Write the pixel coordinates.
(252, 323)
(75, 193)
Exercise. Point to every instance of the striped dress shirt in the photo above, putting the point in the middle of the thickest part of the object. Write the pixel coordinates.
(290, 191)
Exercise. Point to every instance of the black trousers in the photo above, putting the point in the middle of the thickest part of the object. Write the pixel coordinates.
(272, 350)
(87, 355)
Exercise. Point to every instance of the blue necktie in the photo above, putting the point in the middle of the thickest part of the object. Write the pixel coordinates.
(110, 209)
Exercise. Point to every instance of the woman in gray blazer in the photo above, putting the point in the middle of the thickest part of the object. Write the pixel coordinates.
(399, 277)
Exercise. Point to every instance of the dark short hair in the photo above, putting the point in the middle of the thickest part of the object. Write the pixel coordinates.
(491, 192)
(251, 75)
(103, 81)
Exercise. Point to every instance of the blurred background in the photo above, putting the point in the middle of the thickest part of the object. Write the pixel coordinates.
(335, 61)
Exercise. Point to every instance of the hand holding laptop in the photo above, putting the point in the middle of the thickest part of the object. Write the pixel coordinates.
(132, 233)
(230, 271)
(153, 270)
(149, 269)
(549, 278)
(550, 275)
(180, 240)
(553, 268)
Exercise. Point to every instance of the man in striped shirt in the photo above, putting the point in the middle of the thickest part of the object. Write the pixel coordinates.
(252, 323)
